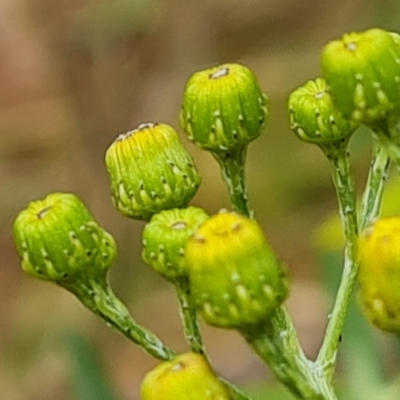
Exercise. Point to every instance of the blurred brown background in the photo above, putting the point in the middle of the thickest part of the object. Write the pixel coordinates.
(74, 74)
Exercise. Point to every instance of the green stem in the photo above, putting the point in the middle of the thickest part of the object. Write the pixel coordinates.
(280, 348)
(235, 392)
(97, 296)
(343, 180)
(193, 334)
(233, 173)
(276, 343)
(387, 132)
(378, 174)
(189, 316)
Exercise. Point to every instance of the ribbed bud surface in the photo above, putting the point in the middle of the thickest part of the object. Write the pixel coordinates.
(187, 377)
(314, 118)
(363, 73)
(150, 171)
(223, 108)
(57, 239)
(165, 238)
(379, 273)
(236, 278)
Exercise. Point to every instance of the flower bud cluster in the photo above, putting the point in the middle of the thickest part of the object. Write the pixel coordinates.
(153, 178)
(234, 277)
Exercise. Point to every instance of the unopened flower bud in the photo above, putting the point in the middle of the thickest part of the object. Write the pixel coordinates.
(186, 377)
(363, 73)
(165, 238)
(314, 118)
(235, 276)
(223, 108)
(58, 239)
(379, 273)
(150, 171)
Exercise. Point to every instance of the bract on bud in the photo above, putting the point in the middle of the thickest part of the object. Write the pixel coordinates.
(363, 73)
(165, 238)
(235, 276)
(150, 171)
(379, 273)
(314, 118)
(186, 377)
(223, 108)
(58, 239)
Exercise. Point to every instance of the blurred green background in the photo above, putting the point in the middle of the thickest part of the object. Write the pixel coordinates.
(76, 73)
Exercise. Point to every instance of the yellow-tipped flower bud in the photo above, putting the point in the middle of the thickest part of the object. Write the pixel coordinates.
(379, 273)
(223, 108)
(150, 171)
(314, 118)
(363, 73)
(165, 238)
(186, 377)
(58, 239)
(235, 276)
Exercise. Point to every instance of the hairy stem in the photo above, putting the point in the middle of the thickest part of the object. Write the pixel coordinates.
(189, 316)
(378, 174)
(193, 334)
(371, 201)
(235, 392)
(276, 343)
(279, 347)
(387, 132)
(97, 296)
(342, 176)
(233, 173)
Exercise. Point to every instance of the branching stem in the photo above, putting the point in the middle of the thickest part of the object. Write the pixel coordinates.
(371, 201)
(342, 176)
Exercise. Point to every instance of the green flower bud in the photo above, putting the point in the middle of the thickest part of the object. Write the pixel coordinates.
(235, 276)
(314, 118)
(165, 238)
(379, 273)
(186, 377)
(58, 239)
(150, 171)
(223, 108)
(363, 73)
